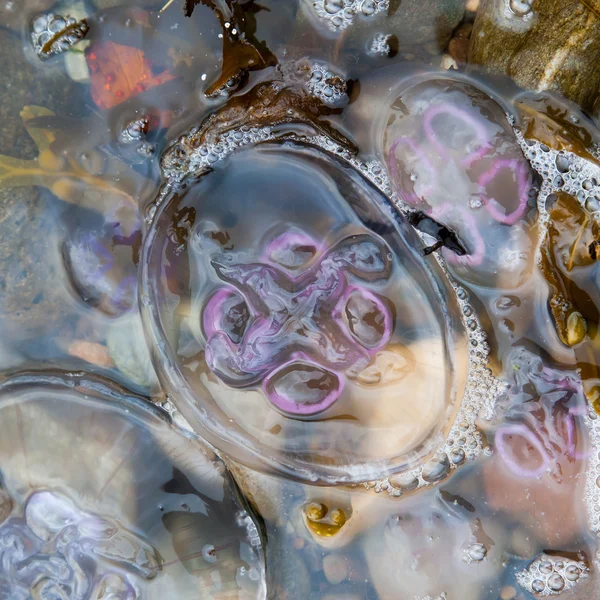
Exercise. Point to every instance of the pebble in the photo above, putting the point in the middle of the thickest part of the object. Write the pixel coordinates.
(508, 592)
(335, 567)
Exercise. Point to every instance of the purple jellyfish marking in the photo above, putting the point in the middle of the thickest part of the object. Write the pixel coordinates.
(440, 109)
(368, 318)
(574, 411)
(296, 332)
(302, 387)
(226, 311)
(523, 431)
(57, 550)
(96, 273)
(292, 250)
(493, 207)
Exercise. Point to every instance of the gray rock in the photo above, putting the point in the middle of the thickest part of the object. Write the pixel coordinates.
(16, 14)
(543, 45)
(425, 21)
(32, 296)
(24, 82)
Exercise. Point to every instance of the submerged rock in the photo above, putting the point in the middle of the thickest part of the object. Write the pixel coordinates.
(546, 45)
(30, 296)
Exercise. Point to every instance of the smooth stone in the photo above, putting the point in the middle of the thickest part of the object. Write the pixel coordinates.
(555, 46)
(32, 296)
(15, 14)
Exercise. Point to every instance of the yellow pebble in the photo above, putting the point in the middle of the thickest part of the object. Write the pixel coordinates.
(576, 328)
(508, 592)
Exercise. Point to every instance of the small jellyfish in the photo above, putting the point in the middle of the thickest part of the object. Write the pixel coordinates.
(452, 154)
(101, 267)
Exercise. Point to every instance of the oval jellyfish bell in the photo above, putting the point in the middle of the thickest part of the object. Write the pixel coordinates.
(452, 153)
(104, 498)
(295, 321)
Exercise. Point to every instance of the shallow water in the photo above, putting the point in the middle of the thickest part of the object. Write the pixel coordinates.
(299, 236)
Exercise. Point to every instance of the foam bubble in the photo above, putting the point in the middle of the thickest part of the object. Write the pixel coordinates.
(340, 14)
(550, 575)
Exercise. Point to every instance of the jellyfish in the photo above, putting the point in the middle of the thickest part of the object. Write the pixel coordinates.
(452, 153)
(299, 320)
(89, 519)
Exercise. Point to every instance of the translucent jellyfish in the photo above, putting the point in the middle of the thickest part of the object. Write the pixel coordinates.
(452, 153)
(433, 550)
(295, 321)
(101, 264)
(541, 450)
(89, 519)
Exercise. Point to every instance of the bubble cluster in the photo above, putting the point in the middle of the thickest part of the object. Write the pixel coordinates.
(562, 171)
(54, 34)
(550, 575)
(325, 85)
(381, 44)
(340, 14)
(58, 550)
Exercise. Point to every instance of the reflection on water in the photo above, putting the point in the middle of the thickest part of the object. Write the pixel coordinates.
(357, 268)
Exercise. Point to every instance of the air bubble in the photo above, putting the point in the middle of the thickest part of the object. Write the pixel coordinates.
(477, 552)
(405, 482)
(208, 553)
(457, 456)
(556, 583)
(545, 567)
(572, 573)
(436, 468)
(538, 586)
(562, 163)
(521, 8)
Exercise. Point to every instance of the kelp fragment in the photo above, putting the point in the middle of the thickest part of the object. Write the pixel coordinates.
(570, 270)
(565, 249)
(283, 101)
(551, 126)
(242, 51)
(64, 176)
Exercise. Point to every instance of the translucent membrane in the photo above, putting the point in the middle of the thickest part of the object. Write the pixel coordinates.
(295, 322)
(452, 153)
(102, 497)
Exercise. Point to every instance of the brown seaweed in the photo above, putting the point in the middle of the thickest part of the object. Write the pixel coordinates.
(242, 51)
